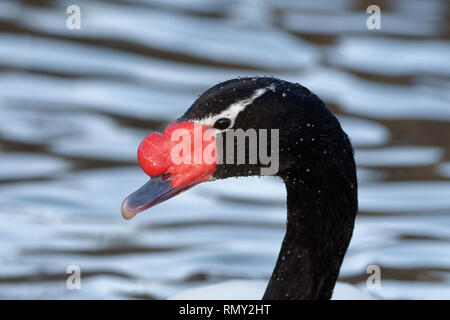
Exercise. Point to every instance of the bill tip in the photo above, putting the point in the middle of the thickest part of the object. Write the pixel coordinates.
(126, 213)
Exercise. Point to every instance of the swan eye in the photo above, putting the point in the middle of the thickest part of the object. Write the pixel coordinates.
(222, 123)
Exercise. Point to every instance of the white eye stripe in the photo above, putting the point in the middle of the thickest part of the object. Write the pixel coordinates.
(234, 109)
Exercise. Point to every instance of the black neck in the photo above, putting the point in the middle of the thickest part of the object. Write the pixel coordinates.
(321, 211)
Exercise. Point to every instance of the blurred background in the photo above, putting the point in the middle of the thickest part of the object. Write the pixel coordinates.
(74, 105)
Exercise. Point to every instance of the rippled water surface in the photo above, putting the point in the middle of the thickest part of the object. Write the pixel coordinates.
(74, 105)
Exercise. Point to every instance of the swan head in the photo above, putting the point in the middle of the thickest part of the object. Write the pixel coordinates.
(240, 127)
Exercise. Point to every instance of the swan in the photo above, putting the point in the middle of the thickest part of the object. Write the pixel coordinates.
(310, 153)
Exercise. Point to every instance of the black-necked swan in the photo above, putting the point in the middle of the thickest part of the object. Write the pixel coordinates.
(315, 161)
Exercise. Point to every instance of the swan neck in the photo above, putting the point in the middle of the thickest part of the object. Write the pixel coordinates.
(320, 221)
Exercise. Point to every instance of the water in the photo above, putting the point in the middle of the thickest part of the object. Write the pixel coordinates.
(74, 105)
